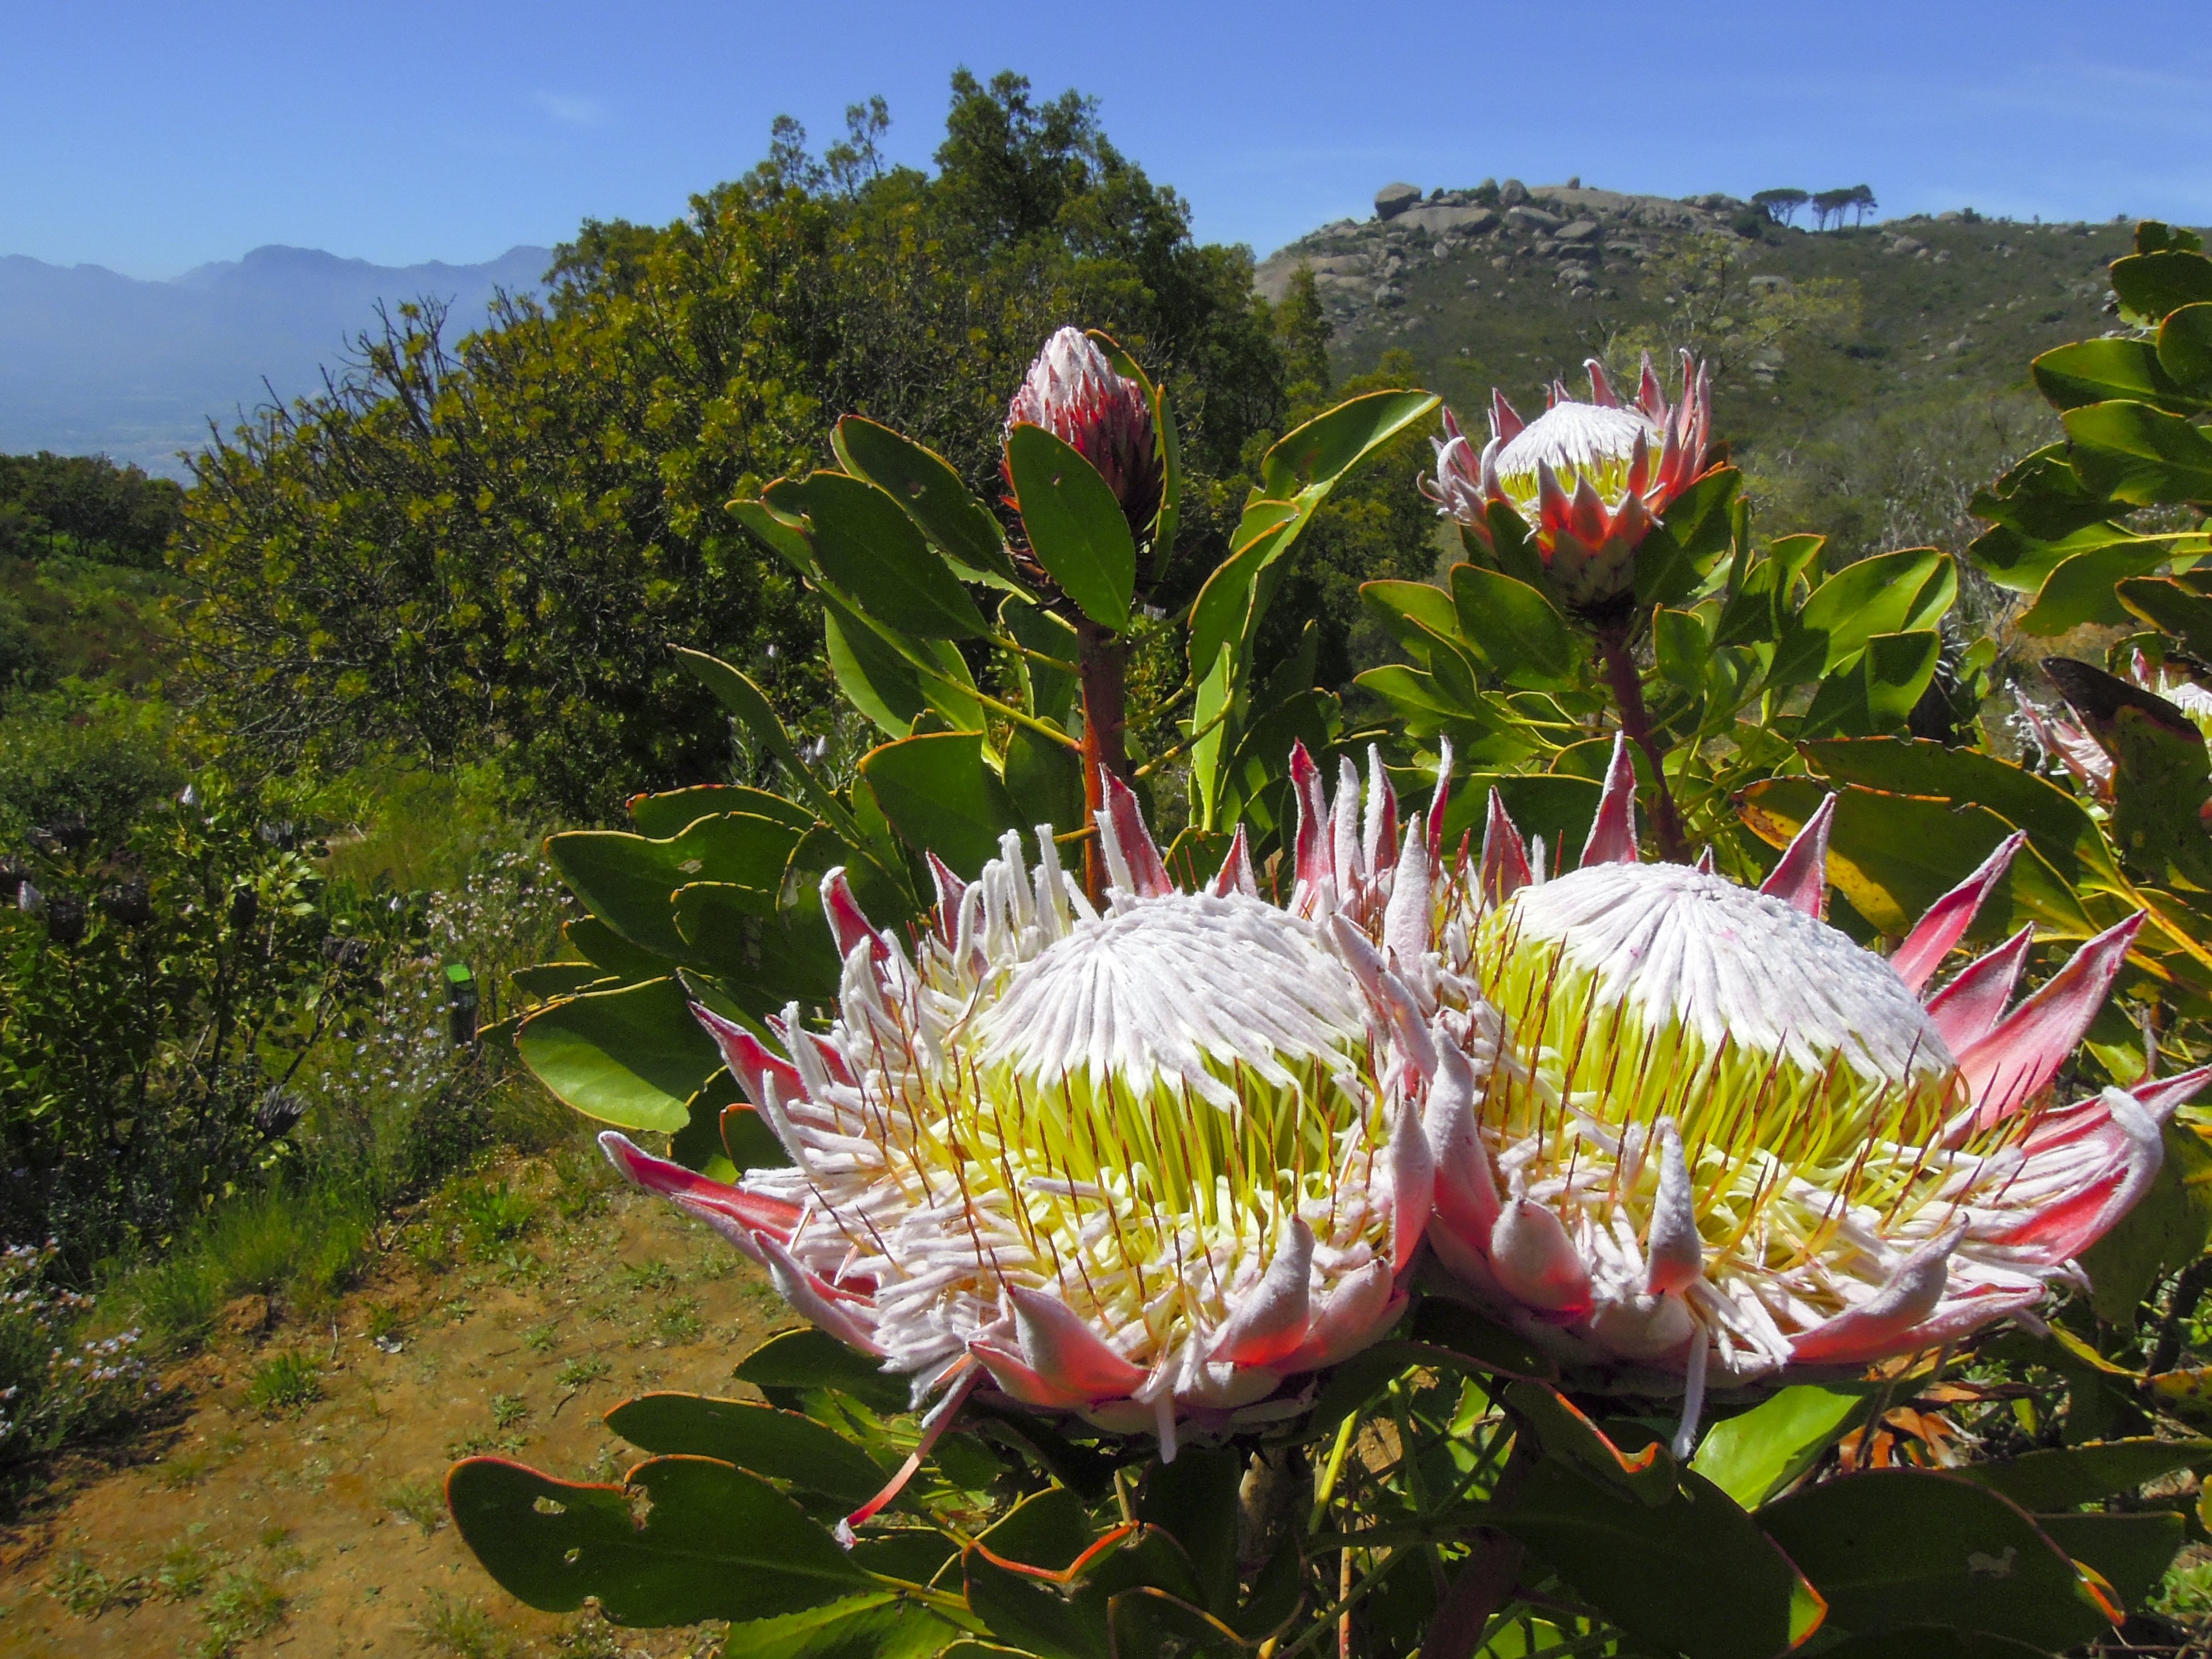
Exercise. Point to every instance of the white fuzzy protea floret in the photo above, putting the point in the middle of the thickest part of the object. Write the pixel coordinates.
(1141, 1162)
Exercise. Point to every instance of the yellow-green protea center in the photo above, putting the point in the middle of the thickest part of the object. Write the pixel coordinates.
(1576, 440)
(1128, 1112)
(1810, 1089)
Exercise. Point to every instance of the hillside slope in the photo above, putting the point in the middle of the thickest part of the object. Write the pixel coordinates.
(95, 362)
(1875, 430)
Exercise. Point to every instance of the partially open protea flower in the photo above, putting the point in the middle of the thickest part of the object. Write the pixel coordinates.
(1073, 393)
(1590, 479)
(1140, 1164)
(1722, 1135)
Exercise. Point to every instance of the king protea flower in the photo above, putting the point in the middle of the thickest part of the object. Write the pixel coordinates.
(1140, 1164)
(1073, 393)
(1721, 1137)
(1590, 479)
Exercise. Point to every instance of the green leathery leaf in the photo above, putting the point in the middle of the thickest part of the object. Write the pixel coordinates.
(1048, 687)
(1892, 1547)
(632, 1057)
(2058, 826)
(764, 955)
(2185, 344)
(928, 490)
(624, 880)
(600, 946)
(2155, 285)
(1674, 561)
(868, 547)
(799, 1361)
(1044, 781)
(1681, 649)
(2083, 588)
(1889, 594)
(2064, 1477)
(675, 811)
(1893, 855)
(1876, 693)
(1223, 613)
(1195, 1500)
(1694, 1575)
(876, 1624)
(1330, 445)
(1412, 612)
(717, 1543)
(2161, 781)
(1757, 612)
(1759, 1453)
(2174, 606)
(2129, 1553)
(1034, 1615)
(1210, 719)
(749, 706)
(1049, 1530)
(942, 797)
(2095, 371)
(784, 533)
(1076, 526)
(546, 980)
(1932, 1642)
(882, 683)
(779, 1444)
(2139, 454)
(1648, 1475)
(1516, 629)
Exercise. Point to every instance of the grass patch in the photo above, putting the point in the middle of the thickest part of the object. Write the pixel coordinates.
(581, 1371)
(185, 1571)
(418, 1503)
(289, 1383)
(492, 1216)
(243, 1606)
(87, 1591)
(463, 1630)
(507, 1410)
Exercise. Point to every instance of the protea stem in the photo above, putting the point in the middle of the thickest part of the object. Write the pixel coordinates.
(1103, 668)
(1619, 663)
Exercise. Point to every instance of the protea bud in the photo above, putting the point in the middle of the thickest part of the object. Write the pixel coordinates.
(1073, 393)
(1590, 479)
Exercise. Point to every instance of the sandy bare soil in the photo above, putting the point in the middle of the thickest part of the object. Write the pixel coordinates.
(320, 1529)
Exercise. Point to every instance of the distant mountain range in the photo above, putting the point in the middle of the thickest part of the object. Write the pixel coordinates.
(93, 362)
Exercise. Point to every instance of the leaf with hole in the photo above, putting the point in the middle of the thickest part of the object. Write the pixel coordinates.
(716, 1543)
(1891, 1547)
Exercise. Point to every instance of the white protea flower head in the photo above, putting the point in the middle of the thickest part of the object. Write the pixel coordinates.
(1590, 479)
(1140, 1163)
(1721, 1137)
(1073, 392)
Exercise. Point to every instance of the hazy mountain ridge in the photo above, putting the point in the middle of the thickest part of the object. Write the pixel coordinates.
(92, 362)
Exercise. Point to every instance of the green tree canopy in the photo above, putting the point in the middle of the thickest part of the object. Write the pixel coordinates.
(491, 544)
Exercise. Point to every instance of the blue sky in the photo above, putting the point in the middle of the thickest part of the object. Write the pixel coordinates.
(151, 137)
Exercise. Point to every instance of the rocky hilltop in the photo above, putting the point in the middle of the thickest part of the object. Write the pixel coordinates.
(1581, 239)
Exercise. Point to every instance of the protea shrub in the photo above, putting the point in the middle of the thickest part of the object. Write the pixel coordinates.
(1150, 1162)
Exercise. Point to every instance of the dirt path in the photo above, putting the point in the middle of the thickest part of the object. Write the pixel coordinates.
(320, 1529)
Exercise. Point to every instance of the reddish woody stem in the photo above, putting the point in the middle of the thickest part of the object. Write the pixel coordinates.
(1102, 669)
(1620, 664)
